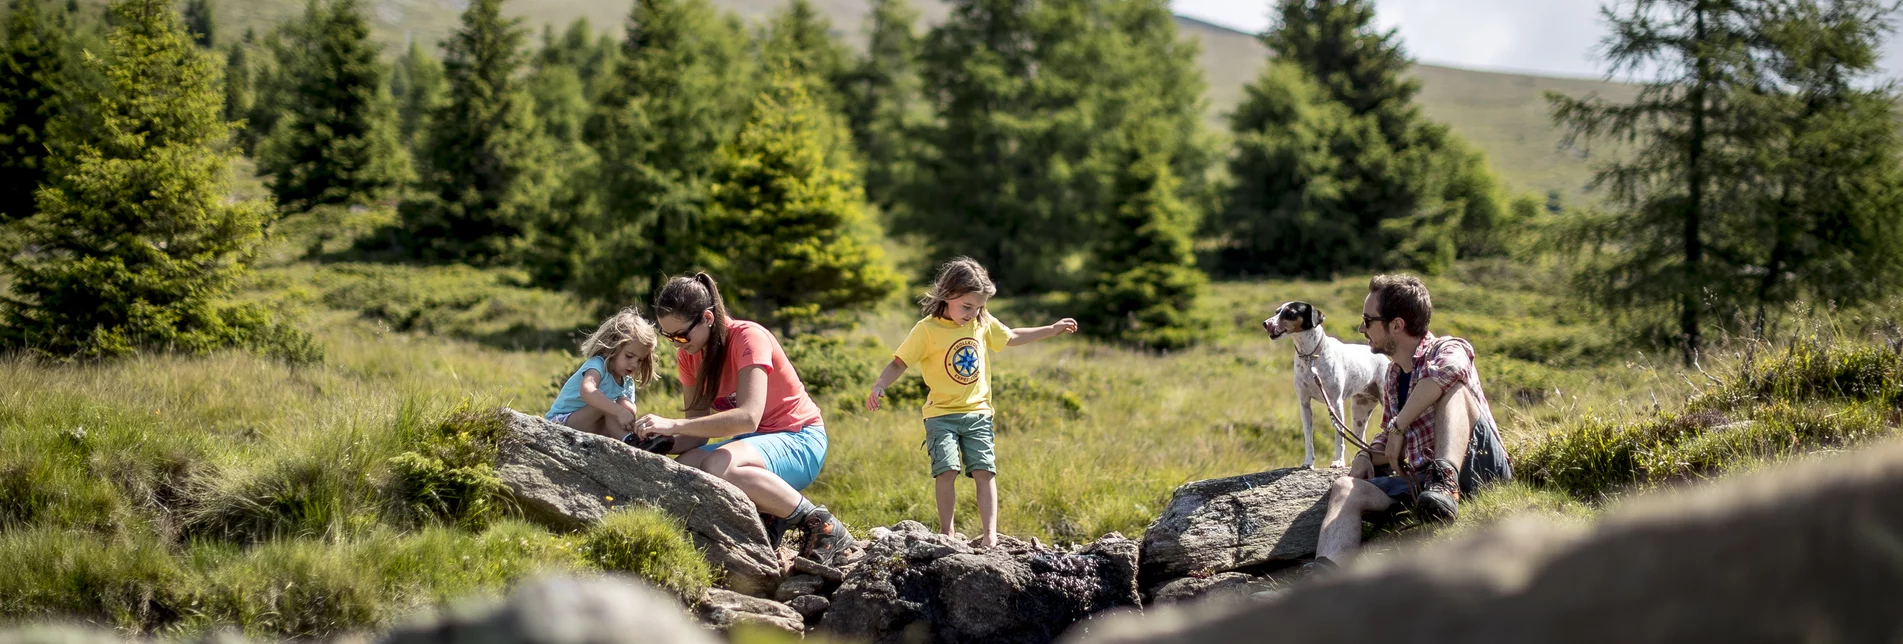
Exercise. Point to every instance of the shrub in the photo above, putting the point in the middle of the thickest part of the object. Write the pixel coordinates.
(652, 545)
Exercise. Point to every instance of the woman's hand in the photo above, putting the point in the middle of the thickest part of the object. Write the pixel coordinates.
(651, 425)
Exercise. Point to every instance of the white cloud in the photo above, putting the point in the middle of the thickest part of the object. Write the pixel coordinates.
(1541, 36)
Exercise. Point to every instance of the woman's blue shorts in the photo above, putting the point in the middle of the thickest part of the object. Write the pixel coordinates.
(796, 456)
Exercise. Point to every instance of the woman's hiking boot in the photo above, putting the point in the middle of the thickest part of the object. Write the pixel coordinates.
(1440, 496)
(776, 528)
(825, 536)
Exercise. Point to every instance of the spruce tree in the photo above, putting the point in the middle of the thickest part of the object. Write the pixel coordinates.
(32, 75)
(1410, 196)
(485, 172)
(136, 240)
(1146, 283)
(1018, 168)
(200, 22)
(336, 142)
(795, 239)
(416, 85)
(237, 83)
(1290, 189)
(800, 37)
(881, 101)
(680, 90)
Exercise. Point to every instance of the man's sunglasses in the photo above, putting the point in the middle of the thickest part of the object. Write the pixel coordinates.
(681, 338)
(1371, 320)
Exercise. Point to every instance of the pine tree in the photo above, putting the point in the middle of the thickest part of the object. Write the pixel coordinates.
(680, 90)
(136, 241)
(881, 101)
(337, 141)
(32, 74)
(416, 85)
(1018, 168)
(1408, 194)
(237, 84)
(799, 36)
(1146, 281)
(1765, 172)
(200, 22)
(486, 171)
(795, 239)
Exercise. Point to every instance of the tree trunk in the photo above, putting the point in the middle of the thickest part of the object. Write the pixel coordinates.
(1695, 177)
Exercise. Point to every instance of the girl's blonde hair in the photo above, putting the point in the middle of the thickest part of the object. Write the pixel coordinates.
(626, 326)
(957, 278)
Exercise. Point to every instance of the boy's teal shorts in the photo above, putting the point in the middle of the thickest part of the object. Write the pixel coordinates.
(960, 442)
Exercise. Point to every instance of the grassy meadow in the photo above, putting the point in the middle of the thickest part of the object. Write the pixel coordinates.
(173, 495)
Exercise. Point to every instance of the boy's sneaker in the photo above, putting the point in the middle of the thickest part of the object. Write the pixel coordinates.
(1440, 496)
(825, 536)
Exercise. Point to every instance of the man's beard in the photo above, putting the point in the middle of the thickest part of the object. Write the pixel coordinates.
(1385, 348)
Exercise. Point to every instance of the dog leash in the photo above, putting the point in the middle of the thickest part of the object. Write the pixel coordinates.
(1341, 430)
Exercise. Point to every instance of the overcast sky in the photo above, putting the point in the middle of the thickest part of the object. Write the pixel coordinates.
(1544, 36)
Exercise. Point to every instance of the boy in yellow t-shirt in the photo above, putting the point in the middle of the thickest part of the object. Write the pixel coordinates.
(949, 346)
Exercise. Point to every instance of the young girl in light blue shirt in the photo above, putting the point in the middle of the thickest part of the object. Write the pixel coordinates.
(600, 396)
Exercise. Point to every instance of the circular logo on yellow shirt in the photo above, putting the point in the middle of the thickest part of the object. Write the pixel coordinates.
(962, 361)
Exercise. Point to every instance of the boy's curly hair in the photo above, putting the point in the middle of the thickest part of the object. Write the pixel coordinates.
(626, 326)
(957, 278)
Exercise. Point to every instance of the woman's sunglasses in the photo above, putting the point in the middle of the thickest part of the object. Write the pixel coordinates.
(681, 338)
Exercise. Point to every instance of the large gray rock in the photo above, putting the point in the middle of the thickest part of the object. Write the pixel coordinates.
(725, 609)
(1220, 525)
(1188, 588)
(1808, 552)
(560, 610)
(912, 582)
(569, 479)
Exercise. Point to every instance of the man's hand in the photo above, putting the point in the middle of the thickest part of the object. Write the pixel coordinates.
(1065, 325)
(1362, 467)
(872, 399)
(1396, 436)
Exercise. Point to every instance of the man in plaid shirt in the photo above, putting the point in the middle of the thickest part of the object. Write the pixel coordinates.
(1438, 438)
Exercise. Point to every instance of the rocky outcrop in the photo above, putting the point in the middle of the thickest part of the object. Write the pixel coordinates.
(569, 479)
(725, 609)
(1811, 551)
(913, 581)
(561, 610)
(1220, 525)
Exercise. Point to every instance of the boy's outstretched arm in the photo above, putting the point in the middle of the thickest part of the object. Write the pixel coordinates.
(1032, 334)
(891, 374)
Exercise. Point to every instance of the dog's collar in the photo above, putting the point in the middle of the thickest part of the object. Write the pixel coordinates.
(1316, 353)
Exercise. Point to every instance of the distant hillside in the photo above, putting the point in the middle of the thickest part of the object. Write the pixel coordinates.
(1502, 114)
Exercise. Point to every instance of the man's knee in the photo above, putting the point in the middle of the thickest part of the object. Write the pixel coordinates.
(1341, 490)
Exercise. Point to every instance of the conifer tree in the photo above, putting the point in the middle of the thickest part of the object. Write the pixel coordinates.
(1410, 194)
(201, 22)
(1765, 172)
(136, 240)
(32, 77)
(1146, 283)
(680, 90)
(486, 174)
(795, 239)
(881, 101)
(1017, 169)
(337, 141)
(237, 83)
(799, 36)
(416, 85)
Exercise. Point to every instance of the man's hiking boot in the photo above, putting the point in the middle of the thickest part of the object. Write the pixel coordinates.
(1440, 496)
(825, 536)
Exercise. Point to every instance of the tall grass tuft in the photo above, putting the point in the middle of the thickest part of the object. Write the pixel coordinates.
(649, 544)
(450, 474)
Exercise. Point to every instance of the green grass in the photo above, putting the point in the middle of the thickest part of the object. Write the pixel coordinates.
(173, 495)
